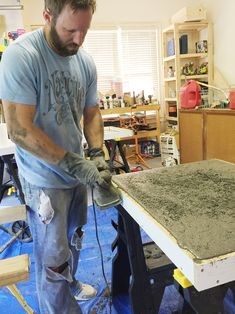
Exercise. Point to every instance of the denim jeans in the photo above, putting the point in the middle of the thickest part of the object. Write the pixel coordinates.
(54, 216)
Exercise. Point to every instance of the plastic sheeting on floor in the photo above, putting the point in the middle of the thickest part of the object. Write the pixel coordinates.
(89, 271)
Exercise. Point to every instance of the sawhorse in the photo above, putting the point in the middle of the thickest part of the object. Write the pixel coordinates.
(113, 146)
(130, 271)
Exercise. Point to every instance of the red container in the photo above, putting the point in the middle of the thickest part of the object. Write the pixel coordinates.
(190, 95)
(232, 99)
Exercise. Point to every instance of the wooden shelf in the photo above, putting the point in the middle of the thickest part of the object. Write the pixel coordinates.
(169, 79)
(130, 109)
(172, 118)
(187, 26)
(187, 56)
(193, 55)
(170, 58)
(170, 99)
(194, 77)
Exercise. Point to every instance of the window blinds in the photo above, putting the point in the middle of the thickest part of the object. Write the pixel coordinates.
(127, 59)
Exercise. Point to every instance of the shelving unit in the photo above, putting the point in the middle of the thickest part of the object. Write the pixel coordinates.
(175, 58)
(146, 108)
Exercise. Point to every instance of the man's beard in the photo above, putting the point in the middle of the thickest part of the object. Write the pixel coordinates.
(62, 49)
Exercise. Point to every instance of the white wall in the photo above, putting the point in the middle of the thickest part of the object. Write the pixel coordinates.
(10, 20)
(131, 11)
(220, 12)
(32, 14)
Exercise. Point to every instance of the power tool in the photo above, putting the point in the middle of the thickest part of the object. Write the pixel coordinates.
(106, 197)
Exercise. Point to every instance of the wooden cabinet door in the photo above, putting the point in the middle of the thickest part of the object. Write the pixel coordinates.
(191, 136)
(220, 135)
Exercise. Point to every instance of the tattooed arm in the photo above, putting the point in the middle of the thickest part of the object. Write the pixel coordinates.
(24, 133)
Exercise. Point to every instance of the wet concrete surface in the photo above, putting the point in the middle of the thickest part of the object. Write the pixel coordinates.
(195, 202)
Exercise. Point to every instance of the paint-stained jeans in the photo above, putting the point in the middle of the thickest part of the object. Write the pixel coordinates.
(54, 216)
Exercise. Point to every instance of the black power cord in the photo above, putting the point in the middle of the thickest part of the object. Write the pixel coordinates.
(101, 254)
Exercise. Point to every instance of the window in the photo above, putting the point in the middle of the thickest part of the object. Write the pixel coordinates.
(127, 59)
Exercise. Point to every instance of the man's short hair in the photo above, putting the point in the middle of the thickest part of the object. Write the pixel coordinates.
(56, 6)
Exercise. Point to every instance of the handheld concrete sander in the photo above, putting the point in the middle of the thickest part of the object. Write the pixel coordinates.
(104, 193)
(106, 197)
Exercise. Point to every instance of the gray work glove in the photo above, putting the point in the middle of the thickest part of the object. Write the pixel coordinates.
(97, 155)
(85, 171)
(107, 177)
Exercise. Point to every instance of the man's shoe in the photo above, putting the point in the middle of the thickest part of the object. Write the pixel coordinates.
(85, 293)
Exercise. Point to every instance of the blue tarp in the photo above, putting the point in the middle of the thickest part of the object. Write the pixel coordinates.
(89, 271)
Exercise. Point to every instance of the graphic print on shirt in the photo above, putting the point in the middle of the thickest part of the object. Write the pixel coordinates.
(65, 95)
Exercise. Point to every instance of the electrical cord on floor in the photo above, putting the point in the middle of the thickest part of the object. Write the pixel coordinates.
(101, 254)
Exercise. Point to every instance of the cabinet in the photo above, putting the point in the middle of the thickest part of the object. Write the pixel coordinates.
(147, 108)
(187, 54)
(207, 134)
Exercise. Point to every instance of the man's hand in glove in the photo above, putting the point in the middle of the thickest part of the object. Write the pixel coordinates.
(85, 171)
(107, 177)
(97, 155)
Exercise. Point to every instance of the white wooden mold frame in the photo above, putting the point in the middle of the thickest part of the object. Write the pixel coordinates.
(203, 274)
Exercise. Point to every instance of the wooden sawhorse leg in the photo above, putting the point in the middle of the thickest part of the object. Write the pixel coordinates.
(20, 299)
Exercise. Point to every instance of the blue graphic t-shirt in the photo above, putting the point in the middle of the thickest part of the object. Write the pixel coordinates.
(60, 88)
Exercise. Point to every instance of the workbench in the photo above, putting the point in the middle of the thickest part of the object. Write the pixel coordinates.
(189, 212)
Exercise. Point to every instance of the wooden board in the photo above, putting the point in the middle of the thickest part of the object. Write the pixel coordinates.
(14, 270)
(9, 214)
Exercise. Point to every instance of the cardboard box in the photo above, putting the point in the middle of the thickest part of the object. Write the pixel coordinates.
(189, 14)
